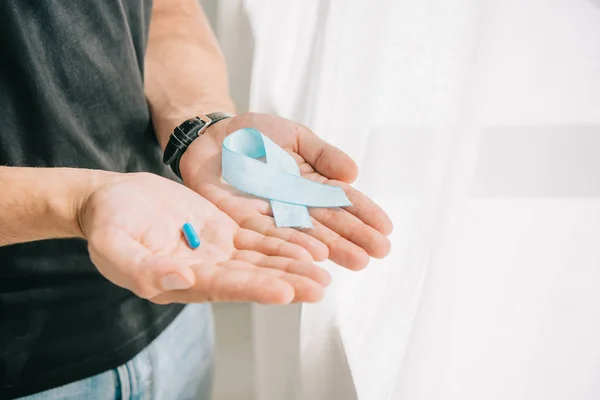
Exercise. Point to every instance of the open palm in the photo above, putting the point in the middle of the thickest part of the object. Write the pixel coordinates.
(347, 236)
(133, 225)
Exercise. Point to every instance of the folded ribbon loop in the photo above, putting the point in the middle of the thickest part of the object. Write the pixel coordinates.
(278, 179)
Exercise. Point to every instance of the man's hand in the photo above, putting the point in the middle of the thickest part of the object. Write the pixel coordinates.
(347, 236)
(133, 226)
(186, 75)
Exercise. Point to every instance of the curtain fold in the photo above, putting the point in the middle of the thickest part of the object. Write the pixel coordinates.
(476, 124)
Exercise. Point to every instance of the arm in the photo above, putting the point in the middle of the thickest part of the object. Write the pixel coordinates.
(134, 237)
(41, 203)
(185, 76)
(186, 73)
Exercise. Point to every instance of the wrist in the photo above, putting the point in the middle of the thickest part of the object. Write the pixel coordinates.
(168, 120)
(43, 203)
(80, 189)
(65, 193)
(188, 164)
(192, 136)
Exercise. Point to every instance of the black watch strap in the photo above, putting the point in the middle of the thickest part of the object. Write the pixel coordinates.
(185, 134)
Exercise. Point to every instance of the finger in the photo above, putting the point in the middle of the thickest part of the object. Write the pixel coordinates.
(353, 229)
(234, 281)
(366, 209)
(341, 251)
(326, 159)
(125, 262)
(306, 269)
(306, 290)
(265, 225)
(247, 239)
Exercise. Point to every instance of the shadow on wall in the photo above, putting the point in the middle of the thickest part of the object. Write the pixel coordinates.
(237, 45)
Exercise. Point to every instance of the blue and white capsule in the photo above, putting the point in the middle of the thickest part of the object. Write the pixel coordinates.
(191, 237)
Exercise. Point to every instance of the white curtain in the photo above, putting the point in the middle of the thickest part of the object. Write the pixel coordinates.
(476, 125)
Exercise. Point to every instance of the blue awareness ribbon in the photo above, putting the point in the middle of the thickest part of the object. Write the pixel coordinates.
(278, 179)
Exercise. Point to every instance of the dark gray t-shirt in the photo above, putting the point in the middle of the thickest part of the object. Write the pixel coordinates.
(71, 95)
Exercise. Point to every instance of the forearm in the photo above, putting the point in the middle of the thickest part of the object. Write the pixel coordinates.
(41, 203)
(185, 72)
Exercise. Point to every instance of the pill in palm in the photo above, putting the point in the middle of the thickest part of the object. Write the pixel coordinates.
(191, 236)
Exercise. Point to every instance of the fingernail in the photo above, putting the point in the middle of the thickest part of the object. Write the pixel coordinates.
(174, 281)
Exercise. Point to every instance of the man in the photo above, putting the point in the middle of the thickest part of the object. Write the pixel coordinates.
(90, 94)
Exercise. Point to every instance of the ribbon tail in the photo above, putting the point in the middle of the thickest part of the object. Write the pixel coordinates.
(290, 215)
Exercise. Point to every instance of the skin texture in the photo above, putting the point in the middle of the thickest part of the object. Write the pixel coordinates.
(42, 203)
(186, 76)
(133, 221)
(133, 226)
(347, 236)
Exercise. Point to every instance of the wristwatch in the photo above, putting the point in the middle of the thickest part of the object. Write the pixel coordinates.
(185, 134)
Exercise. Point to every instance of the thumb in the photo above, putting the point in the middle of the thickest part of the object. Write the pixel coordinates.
(126, 263)
(167, 274)
(325, 158)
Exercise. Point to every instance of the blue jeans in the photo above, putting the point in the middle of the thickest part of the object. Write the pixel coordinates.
(178, 364)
